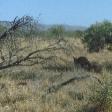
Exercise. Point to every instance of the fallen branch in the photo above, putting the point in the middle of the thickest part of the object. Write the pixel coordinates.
(59, 86)
(33, 57)
(55, 88)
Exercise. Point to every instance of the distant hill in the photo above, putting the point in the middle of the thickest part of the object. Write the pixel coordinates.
(74, 28)
(67, 27)
(44, 27)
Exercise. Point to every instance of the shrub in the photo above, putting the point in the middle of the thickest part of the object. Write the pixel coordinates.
(56, 31)
(102, 97)
(98, 35)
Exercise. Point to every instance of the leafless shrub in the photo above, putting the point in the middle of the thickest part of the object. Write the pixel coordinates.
(12, 54)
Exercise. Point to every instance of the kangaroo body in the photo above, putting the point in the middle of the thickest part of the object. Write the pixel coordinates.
(84, 63)
(96, 67)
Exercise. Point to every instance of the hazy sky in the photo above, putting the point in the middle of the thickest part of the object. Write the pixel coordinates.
(73, 12)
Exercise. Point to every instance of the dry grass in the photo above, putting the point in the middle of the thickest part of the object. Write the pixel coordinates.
(24, 89)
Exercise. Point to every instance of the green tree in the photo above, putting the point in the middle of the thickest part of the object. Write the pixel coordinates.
(98, 35)
(56, 31)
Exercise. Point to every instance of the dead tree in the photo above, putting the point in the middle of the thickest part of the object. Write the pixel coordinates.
(10, 44)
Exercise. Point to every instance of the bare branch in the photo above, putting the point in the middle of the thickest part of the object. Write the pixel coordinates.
(31, 56)
(17, 23)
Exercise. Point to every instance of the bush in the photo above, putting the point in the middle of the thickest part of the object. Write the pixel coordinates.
(98, 35)
(56, 31)
(102, 97)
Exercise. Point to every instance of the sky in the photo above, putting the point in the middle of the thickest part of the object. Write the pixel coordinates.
(71, 12)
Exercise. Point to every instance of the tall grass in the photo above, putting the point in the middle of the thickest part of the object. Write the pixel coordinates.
(24, 89)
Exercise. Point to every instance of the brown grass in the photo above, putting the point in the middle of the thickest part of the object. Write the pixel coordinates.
(23, 89)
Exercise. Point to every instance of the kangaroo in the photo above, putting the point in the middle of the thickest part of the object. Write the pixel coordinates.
(83, 62)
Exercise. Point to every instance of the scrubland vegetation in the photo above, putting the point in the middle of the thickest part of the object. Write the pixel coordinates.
(38, 74)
